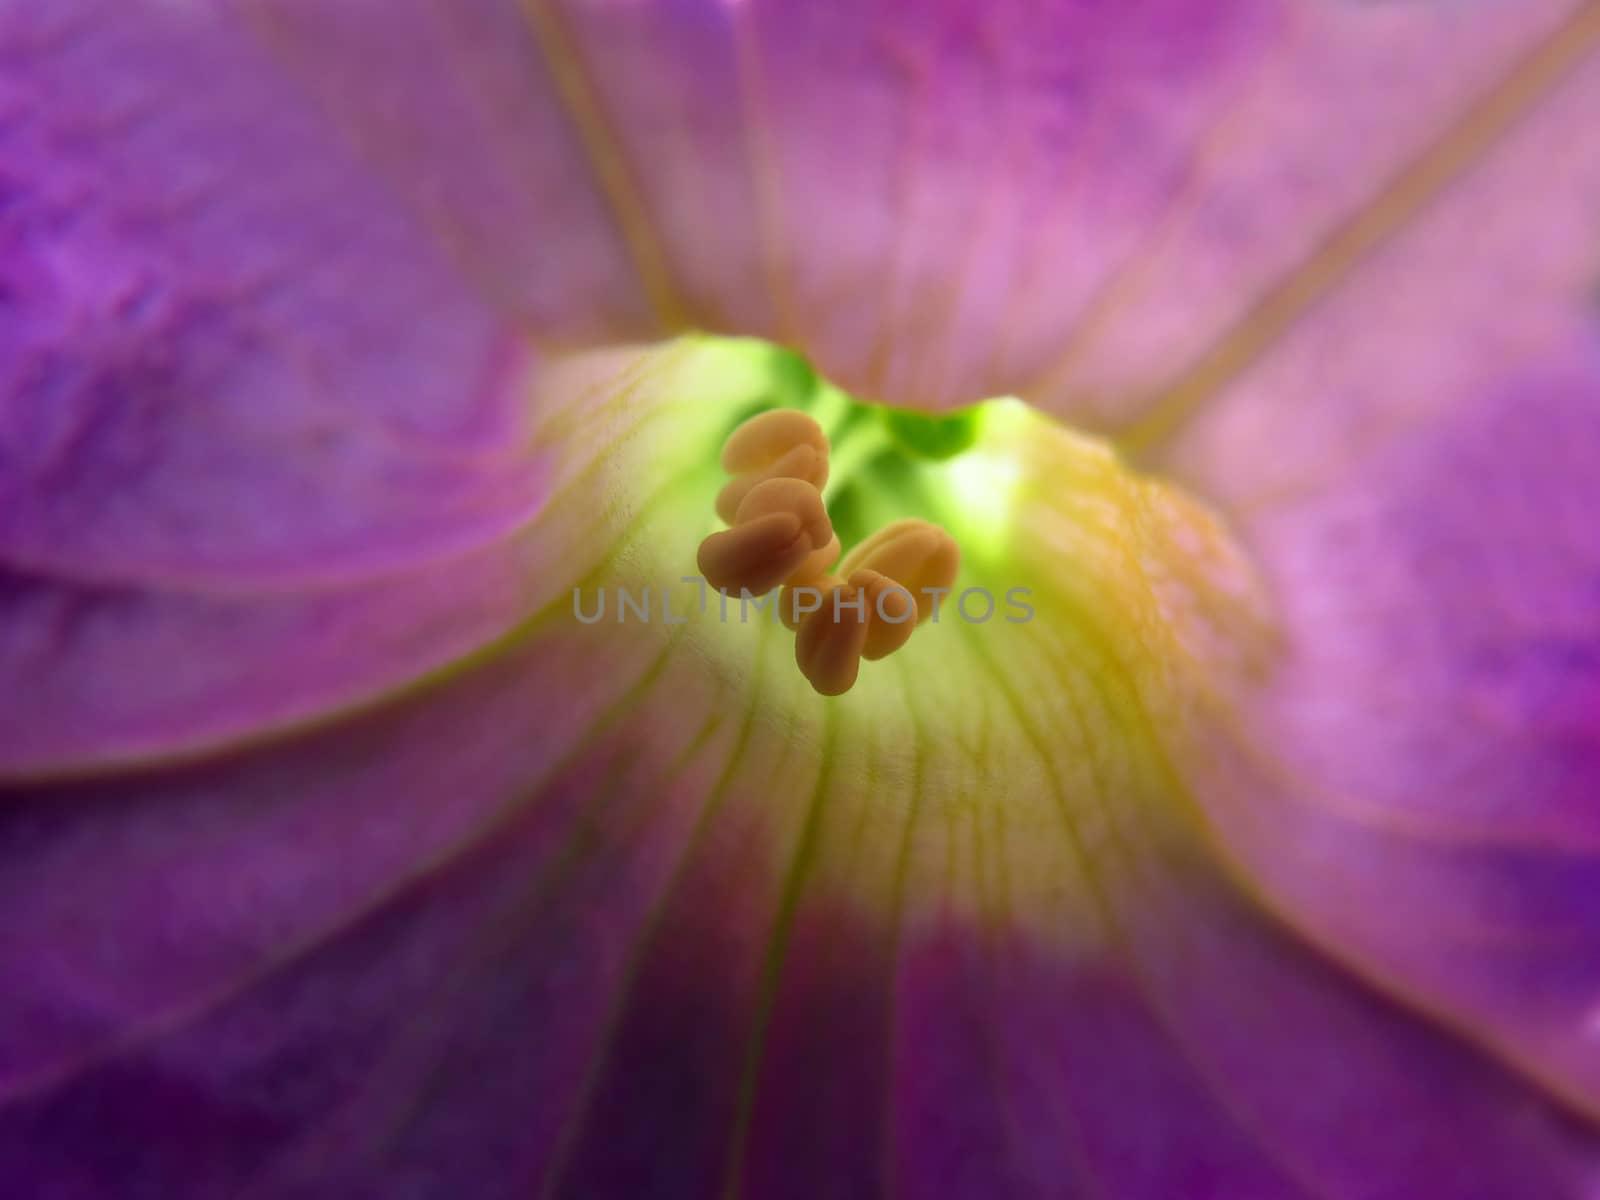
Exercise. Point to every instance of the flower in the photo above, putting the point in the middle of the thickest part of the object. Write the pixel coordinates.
(343, 342)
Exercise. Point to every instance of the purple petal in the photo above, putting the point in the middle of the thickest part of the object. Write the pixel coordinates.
(1064, 201)
(230, 352)
(103, 674)
(1416, 789)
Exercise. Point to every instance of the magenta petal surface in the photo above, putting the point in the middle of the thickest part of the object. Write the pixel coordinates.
(230, 353)
(1066, 201)
(1418, 787)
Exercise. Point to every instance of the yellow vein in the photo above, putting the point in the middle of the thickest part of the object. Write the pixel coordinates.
(777, 952)
(1397, 203)
(600, 142)
(765, 184)
(579, 1111)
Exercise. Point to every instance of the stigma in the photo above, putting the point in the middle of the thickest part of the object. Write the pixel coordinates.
(780, 535)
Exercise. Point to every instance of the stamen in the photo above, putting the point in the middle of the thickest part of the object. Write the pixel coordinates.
(782, 444)
(829, 645)
(891, 613)
(816, 564)
(798, 600)
(781, 530)
(871, 602)
(920, 557)
(767, 436)
(803, 462)
(891, 583)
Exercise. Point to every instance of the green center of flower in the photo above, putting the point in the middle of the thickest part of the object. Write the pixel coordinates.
(867, 603)
(883, 456)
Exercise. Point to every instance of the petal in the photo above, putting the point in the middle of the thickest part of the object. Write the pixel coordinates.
(1493, 275)
(1408, 168)
(1208, 180)
(1410, 466)
(230, 354)
(794, 171)
(103, 674)
(1112, 214)
(1415, 786)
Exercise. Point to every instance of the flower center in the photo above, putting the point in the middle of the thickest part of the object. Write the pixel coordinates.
(1035, 516)
(864, 606)
(1098, 627)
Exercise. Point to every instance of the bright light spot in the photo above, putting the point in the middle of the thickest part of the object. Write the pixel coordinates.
(984, 483)
(981, 484)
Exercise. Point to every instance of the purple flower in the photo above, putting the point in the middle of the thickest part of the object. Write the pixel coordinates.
(343, 341)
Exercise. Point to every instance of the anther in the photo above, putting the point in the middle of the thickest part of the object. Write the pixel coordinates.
(891, 613)
(780, 532)
(830, 641)
(798, 600)
(869, 604)
(882, 591)
(781, 444)
(799, 497)
(816, 564)
(922, 558)
(765, 437)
